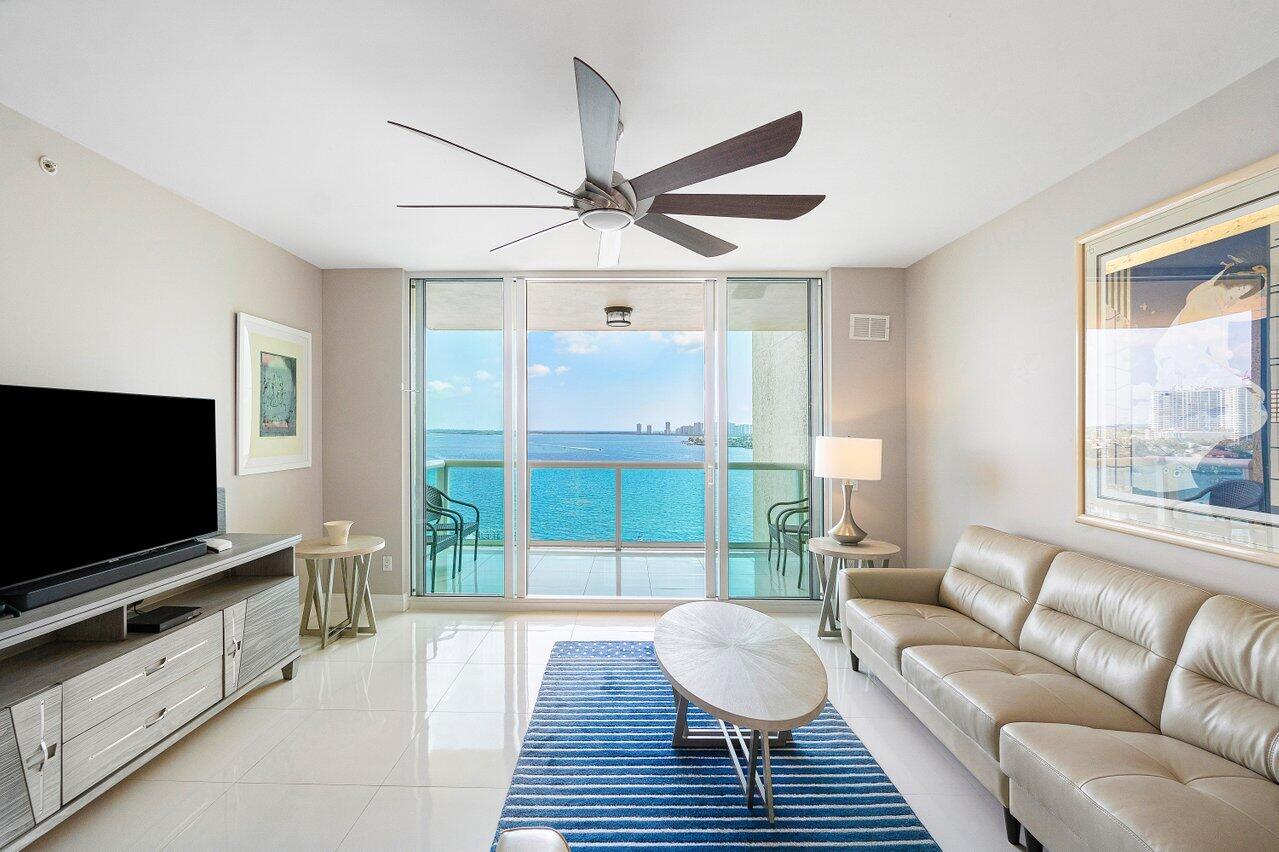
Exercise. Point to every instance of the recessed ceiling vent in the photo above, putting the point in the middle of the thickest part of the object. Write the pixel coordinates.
(867, 327)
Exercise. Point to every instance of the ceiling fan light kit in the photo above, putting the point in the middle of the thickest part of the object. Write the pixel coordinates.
(606, 202)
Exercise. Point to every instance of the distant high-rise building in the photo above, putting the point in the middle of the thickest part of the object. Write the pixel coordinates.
(650, 428)
(1222, 410)
(739, 430)
(638, 429)
(668, 427)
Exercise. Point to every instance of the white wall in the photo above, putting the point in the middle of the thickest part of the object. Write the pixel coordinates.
(867, 381)
(365, 411)
(109, 282)
(991, 352)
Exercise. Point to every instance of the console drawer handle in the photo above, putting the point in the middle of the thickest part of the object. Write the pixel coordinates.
(156, 718)
(42, 757)
(155, 668)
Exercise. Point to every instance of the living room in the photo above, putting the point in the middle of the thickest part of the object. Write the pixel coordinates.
(904, 479)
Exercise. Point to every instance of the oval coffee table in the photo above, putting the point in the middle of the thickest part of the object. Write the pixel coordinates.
(746, 670)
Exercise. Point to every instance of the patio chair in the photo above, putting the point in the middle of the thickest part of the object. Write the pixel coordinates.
(1233, 494)
(774, 534)
(448, 528)
(793, 530)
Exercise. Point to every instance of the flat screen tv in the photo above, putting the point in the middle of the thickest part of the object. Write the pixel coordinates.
(101, 487)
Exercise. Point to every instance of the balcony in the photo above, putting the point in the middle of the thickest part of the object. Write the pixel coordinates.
(619, 529)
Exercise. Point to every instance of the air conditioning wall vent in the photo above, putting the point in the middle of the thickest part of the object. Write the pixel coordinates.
(867, 327)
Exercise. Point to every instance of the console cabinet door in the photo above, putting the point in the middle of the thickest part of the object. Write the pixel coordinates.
(271, 622)
(233, 639)
(16, 816)
(38, 723)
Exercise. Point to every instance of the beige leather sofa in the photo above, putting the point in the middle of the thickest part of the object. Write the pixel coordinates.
(1105, 708)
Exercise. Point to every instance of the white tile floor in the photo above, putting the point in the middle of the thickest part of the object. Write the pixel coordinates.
(407, 739)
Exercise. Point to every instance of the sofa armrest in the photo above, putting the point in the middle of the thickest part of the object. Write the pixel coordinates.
(911, 585)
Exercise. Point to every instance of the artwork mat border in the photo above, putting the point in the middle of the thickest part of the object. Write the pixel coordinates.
(245, 465)
(1233, 189)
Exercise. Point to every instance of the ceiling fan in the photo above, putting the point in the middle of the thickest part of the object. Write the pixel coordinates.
(609, 203)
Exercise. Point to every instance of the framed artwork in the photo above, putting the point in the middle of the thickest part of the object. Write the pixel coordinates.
(1179, 369)
(273, 396)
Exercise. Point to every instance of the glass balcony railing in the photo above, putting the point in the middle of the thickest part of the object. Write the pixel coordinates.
(623, 504)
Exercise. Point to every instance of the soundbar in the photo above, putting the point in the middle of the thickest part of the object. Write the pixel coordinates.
(50, 589)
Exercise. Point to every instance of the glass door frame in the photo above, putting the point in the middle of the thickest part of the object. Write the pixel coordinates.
(515, 470)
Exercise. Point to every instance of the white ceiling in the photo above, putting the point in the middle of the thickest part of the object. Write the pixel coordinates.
(922, 119)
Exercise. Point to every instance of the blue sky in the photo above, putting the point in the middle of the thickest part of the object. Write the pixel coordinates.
(581, 380)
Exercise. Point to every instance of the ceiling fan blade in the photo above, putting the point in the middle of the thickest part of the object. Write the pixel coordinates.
(610, 249)
(764, 143)
(484, 207)
(736, 206)
(599, 110)
(534, 234)
(561, 190)
(686, 235)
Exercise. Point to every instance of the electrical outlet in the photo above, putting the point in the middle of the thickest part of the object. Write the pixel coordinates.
(386, 563)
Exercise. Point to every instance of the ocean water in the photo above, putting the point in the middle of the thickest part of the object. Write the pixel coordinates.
(577, 504)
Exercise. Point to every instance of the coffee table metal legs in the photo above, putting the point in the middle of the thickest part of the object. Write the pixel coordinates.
(760, 743)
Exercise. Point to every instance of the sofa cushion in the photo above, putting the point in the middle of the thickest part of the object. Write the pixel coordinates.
(1117, 628)
(1141, 791)
(982, 689)
(994, 578)
(888, 627)
(1224, 692)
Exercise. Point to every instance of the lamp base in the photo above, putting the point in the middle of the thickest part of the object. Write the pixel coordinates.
(846, 530)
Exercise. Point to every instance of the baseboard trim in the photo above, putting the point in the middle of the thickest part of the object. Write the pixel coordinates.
(390, 603)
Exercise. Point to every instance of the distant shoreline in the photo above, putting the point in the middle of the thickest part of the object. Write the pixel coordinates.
(559, 432)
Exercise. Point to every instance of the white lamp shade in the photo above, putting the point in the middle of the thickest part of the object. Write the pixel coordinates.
(848, 458)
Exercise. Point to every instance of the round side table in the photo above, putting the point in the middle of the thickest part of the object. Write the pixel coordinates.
(835, 557)
(322, 558)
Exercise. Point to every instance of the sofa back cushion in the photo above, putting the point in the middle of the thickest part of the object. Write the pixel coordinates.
(994, 578)
(1115, 627)
(1223, 695)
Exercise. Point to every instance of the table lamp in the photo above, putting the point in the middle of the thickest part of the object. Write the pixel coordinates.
(847, 459)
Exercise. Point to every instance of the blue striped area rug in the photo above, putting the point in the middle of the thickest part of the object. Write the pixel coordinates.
(598, 765)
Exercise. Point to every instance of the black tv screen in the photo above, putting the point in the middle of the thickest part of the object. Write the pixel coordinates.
(94, 478)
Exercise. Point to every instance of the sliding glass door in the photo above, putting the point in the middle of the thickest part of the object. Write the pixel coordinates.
(615, 450)
(665, 455)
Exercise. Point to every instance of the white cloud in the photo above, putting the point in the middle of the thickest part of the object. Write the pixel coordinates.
(537, 370)
(440, 387)
(464, 390)
(577, 342)
(561, 370)
(684, 341)
(688, 341)
(483, 376)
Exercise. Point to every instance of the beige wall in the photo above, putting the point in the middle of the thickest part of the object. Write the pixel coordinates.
(365, 411)
(109, 282)
(867, 398)
(991, 355)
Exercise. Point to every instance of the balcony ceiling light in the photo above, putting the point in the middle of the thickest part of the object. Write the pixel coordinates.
(617, 316)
